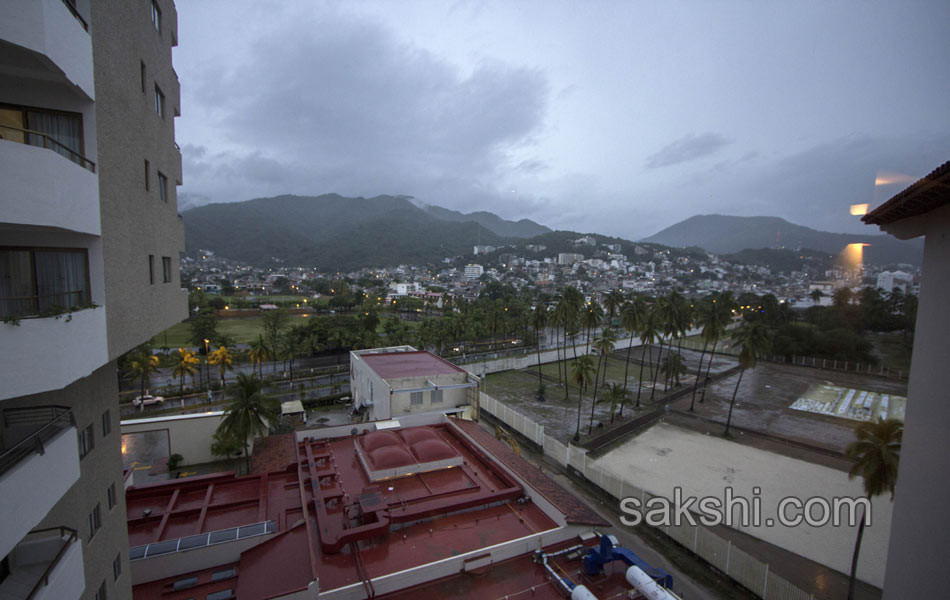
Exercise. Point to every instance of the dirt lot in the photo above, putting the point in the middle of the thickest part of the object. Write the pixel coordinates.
(767, 391)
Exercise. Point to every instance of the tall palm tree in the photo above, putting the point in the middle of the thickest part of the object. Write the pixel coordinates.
(667, 324)
(258, 352)
(615, 394)
(604, 345)
(562, 318)
(672, 367)
(539, 320)
(581, 370)
(753, 340)
(143, 365)
(249, 411)
(613, 302)
(708, 317)
(649, 333)
(876, 452)
(631, 319)
(185, 364)
(593, 317)
(724, 305)
(816, 296)
(221, 357)
(288, 350)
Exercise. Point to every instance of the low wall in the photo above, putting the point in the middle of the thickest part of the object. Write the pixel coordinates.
(188, 435)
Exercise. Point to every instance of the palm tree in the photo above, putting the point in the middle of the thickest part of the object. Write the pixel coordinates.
(539, 320)
(258, 352)
(816, 296)
(876, 453)
(753, 340)
(649, 332)
(143, 365)
(709, 317)
(613, 302)
(673, 366)
(593, 317)
(631, 319)
(185, 364)
(581, 370)
(666, 324)
(724, 306)
(604, 345)
(249, 411)
(288, 350)
(223, 358)
(616, 393)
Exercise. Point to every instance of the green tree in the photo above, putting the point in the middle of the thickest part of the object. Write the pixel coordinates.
(604, 345)
(186, 363)
(724, 306)
(615, 394)
(649, 333)
(143, 364)
(673, 367)
(613, 303)
(222, 358)
(753, 342)
(273, 321)
(203, 326)
(876, 452)
(632, 315)
(582, 370)
(592, 318)
(258, 352)
(249, 412)
(539, 320)
(816, 296)
(711, 318)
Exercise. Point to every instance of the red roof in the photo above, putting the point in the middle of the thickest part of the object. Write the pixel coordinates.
(395, 365)
(926, 194)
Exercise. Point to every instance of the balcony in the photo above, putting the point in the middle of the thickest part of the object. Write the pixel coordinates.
(53, 186)
(39, 463)
(51, 29)
(46, 564)
(52, 352)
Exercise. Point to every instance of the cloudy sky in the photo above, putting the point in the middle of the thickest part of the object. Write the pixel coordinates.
(613, 117)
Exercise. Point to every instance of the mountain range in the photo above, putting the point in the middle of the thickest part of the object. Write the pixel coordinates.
(723, 234)
(332, 232)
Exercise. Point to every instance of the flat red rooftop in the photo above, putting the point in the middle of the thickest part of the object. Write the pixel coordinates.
(395, 365)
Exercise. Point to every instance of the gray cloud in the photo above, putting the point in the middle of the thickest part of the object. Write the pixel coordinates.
(687, 148)
(353, 111)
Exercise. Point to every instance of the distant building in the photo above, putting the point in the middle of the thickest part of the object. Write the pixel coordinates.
(536, 247)
(389, 382)
(888, 280)
(569, 258)
(586, 241)
(474, 271)
(402, 289)
(612, 247)
(484, 250)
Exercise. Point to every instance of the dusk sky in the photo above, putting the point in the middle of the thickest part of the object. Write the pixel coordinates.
(619, 118)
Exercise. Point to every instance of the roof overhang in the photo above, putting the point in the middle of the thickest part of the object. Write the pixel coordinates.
(905, 215)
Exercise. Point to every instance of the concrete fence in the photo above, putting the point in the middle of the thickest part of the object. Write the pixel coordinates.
(744, 568)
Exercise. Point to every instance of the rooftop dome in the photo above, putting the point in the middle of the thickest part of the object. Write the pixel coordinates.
(417, 434)
(390, 457)
(378, 439)
(432, 450)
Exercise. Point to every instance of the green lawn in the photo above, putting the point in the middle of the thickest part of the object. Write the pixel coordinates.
(242, 330)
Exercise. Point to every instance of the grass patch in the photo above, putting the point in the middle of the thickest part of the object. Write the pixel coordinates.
(243, 331)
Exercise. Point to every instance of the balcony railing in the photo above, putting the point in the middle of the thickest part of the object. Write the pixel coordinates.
(50, 420)
(42, 140)
(68, 536)
(49, 305)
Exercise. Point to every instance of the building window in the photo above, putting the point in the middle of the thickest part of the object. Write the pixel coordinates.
(95, 522)
(162, 187)
(101, 592)
(106, 423)
(41, 282)
(415, 399)
(184, 584)
(117, 567)
(143, 74)
(156, 17)
(436, 397)
(159, 102)
(110, 494)
(57, 130)
(148, 175)
(224, 574)
(87, 441)
(151, 268)
(222, 595)
(166, 269)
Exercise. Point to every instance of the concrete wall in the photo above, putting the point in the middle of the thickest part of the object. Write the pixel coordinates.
(135, 222)
(915, 563)
(400, 401)
(189, 435)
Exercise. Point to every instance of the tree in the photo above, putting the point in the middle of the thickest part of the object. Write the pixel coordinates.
(672, 367)
(753, 341)
(841, 297)
(249, 411)
(221, 357)
(273, 321)
(185, 364)
(539, 320)
(258, 352)
(724, 307)
(631, 319)
(203, 326)
(604, 346)
(613, 302)
(712, 319)
(667, 325)
(144, 363)
(615, 394)
(649, 332)
(581, 370)
(816, 296)
(876, 452)
(287, 350)
(593, 317)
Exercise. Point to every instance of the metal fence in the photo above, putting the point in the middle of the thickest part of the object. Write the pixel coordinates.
(744, 568)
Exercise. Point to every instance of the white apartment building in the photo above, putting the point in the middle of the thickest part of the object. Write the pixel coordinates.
(888, 280)
(88, 270)
(569, 258)
(473, 271)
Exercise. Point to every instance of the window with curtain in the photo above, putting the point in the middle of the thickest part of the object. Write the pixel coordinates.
(33, 281)
(64, 128)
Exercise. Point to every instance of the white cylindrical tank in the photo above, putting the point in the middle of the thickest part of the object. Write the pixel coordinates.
(646, 586)
(582, 593)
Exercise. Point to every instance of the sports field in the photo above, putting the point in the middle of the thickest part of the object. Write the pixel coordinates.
(849, 403)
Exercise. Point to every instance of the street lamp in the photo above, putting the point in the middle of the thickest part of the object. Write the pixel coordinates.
(207, 364)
